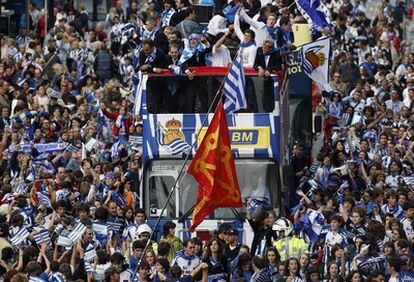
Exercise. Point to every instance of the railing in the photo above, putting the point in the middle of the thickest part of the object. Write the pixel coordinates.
(209, 71)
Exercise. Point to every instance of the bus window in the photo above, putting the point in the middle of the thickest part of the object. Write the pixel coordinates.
(259, 94)
(258, 179)
(158, 190)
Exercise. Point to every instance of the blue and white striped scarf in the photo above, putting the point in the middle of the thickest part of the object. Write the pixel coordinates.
(146, 34)
(397, 211)
(189, 51)
(151, 58)
(20, 118)
(166, 17)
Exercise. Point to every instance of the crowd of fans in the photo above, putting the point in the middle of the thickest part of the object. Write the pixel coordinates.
(71, 148)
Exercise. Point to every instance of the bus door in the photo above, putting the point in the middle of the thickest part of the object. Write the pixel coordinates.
(158, 186)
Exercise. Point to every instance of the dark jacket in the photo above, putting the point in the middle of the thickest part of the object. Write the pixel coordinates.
(161, 41)
(284, 41)
(261, 235)
(197, 60)
(178, 17)
(169, 60)
(158, 62)
(104, 65)
(274, 63)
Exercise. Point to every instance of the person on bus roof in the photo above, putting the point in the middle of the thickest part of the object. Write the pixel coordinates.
(268, 60)
(248, 43)
(194, 55)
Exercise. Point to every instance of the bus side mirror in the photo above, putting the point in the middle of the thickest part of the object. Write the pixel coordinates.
(317, 124)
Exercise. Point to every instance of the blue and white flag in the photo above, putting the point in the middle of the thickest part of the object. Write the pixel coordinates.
(59, 228)
(312, 224)
(91, 144)
(71, 148)
(19, 186)
(315, 13)
(64, 241)
(101, 232)
(314, 58)
(115, 226)
(8, 198)
(56, 277)
(77, 232)
(42, 165)
(138, 88)
(115, 149)
(90, 255)
(409, 180)
(100, 228)
(36, 279)
(135, 140)
(20, 237)
(20, 118)
(89, 268)
(42, 236)
(127, 30)
(234, 87)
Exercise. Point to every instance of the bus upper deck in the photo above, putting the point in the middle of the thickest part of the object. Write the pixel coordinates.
(256, 138)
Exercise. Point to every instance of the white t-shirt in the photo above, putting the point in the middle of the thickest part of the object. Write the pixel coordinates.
(392, 279)
(408, 228)
(221, 56)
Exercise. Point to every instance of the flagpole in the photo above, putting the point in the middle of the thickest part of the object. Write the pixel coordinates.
(291, 5)
(187, 157)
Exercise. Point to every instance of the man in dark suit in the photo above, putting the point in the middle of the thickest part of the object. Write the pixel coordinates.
(175, 85)
(161, 38)
(268, 60)
(182, 12)
(194, 55)
(152, 59)
(285, 36)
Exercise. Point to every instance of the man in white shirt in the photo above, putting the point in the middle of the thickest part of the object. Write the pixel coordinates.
(248, 43)
(262, 30)
(186, 259)
(356, 102)
(221, 54)
(394, 104)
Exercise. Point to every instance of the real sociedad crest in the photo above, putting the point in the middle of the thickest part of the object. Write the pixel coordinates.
(170, 136)
(314, 59)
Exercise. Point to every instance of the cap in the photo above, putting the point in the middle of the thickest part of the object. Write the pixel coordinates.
(110, 175)
(232, 231)
(224, 227)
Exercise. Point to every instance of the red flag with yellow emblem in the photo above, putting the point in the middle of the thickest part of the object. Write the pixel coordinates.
(213, 168)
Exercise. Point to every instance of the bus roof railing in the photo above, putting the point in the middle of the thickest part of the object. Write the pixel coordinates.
(209, 71)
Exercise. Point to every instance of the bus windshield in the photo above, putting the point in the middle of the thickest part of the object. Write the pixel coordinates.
(178, 94)
(257, 180)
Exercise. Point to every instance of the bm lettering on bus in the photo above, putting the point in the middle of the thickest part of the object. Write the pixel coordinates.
(239, 137)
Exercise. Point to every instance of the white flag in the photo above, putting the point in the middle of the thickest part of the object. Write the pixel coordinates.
(315, 60)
